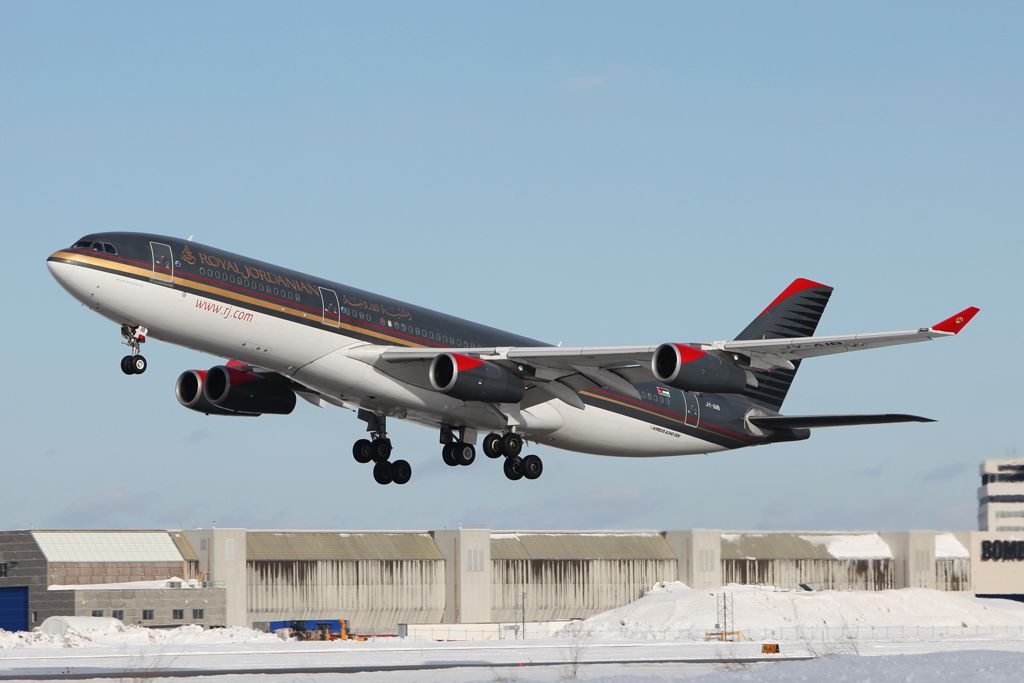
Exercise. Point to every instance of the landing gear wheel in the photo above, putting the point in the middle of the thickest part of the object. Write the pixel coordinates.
(362, 451)
(492, 445)
(513, 468)
(463, 453)
(512, 445)
(126, 365)
(139, 365)
(382, 473)
(448, 456)
(380, 450)
(401, 472)
(532, 467)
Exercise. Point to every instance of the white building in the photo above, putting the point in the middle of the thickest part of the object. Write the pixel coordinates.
(1001, 496)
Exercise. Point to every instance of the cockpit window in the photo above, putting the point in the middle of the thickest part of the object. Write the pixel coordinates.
(109, 248)
(82, 244)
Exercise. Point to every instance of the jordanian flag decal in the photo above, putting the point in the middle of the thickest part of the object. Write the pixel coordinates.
(662, 391)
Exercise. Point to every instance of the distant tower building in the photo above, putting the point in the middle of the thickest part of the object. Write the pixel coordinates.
(1001, 496)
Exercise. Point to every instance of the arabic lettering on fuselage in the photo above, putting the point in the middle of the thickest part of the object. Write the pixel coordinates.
(376, 308)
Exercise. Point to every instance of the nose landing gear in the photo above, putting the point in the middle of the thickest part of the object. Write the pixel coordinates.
(135, 363)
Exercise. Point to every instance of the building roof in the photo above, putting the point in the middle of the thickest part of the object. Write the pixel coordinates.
(107, 546)
(329, 545)
(184, 547)
(811, 546)
(579, 546)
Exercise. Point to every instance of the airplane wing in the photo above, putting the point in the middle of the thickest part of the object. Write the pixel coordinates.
(619, 367)
(768, 353)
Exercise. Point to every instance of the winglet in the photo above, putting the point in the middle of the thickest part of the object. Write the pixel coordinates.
(954, 324)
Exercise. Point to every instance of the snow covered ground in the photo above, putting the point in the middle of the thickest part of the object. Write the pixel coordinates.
(675, 611)
(919, 635)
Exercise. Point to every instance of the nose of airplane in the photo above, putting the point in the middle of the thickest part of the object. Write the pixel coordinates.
(65, 274)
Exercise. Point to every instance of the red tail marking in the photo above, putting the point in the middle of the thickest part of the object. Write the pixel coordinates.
(795, 287)
(957, 322)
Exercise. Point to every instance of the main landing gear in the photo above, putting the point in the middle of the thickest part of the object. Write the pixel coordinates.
(135, 363)
(510, 445)
(378, 450)
(456, 451)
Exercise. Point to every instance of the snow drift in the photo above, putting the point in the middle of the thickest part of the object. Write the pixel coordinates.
(671, 608)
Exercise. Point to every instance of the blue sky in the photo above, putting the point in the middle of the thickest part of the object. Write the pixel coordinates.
(595, 173)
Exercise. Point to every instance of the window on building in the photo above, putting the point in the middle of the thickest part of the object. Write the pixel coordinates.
(1010, 513)
(3, 570)
(97, 613)
(117, 614)
(178, 614)
(147, 615)
(35, 617)
(197, 614)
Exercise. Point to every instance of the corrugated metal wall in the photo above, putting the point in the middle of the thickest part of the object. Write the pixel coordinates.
(568, 588)
(878, 574)
(374, 595)
(953, 574)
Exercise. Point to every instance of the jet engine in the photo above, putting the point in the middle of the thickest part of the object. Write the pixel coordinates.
(189, 391)
(245, 391)
(226, 390)
(690, 369)
(471, 379)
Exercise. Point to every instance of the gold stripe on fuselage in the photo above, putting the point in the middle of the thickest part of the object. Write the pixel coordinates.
(220, 291)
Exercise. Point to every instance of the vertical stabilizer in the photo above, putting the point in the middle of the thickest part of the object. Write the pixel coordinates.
(794, 313)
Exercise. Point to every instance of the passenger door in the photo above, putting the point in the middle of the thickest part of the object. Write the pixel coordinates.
(163, 263)
(331, 307)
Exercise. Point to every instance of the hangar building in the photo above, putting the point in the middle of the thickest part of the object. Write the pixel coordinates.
(380, 579)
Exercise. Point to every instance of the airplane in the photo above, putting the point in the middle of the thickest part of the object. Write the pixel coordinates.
(289, 335)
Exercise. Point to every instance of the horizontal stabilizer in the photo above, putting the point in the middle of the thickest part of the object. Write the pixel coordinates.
(813, 421)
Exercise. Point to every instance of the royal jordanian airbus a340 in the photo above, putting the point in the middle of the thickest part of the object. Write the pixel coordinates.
(291, 334)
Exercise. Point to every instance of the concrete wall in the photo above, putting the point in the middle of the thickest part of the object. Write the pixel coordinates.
(27, 567)
(998, 574)
(222, 561)
(467, 558)
(571, 589)
(163, 602)
(872, 575)
(699, 553)
(374, 595)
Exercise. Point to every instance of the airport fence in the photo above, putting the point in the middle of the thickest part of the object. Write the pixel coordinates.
(831, 634)
(787, 634)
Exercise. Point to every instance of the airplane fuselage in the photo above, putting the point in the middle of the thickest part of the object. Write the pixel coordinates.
(310, 330)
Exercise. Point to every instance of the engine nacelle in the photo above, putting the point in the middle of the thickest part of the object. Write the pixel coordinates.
(243, 391)
(472, 379)
(690, 369)
(189, 391)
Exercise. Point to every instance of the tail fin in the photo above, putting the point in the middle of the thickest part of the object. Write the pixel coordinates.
(794, 313)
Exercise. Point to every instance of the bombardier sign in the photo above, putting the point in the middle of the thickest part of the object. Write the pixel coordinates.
(1002, 550)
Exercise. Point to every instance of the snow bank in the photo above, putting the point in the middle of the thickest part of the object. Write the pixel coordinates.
(88, 631)
(69, 626)
(673, 607)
